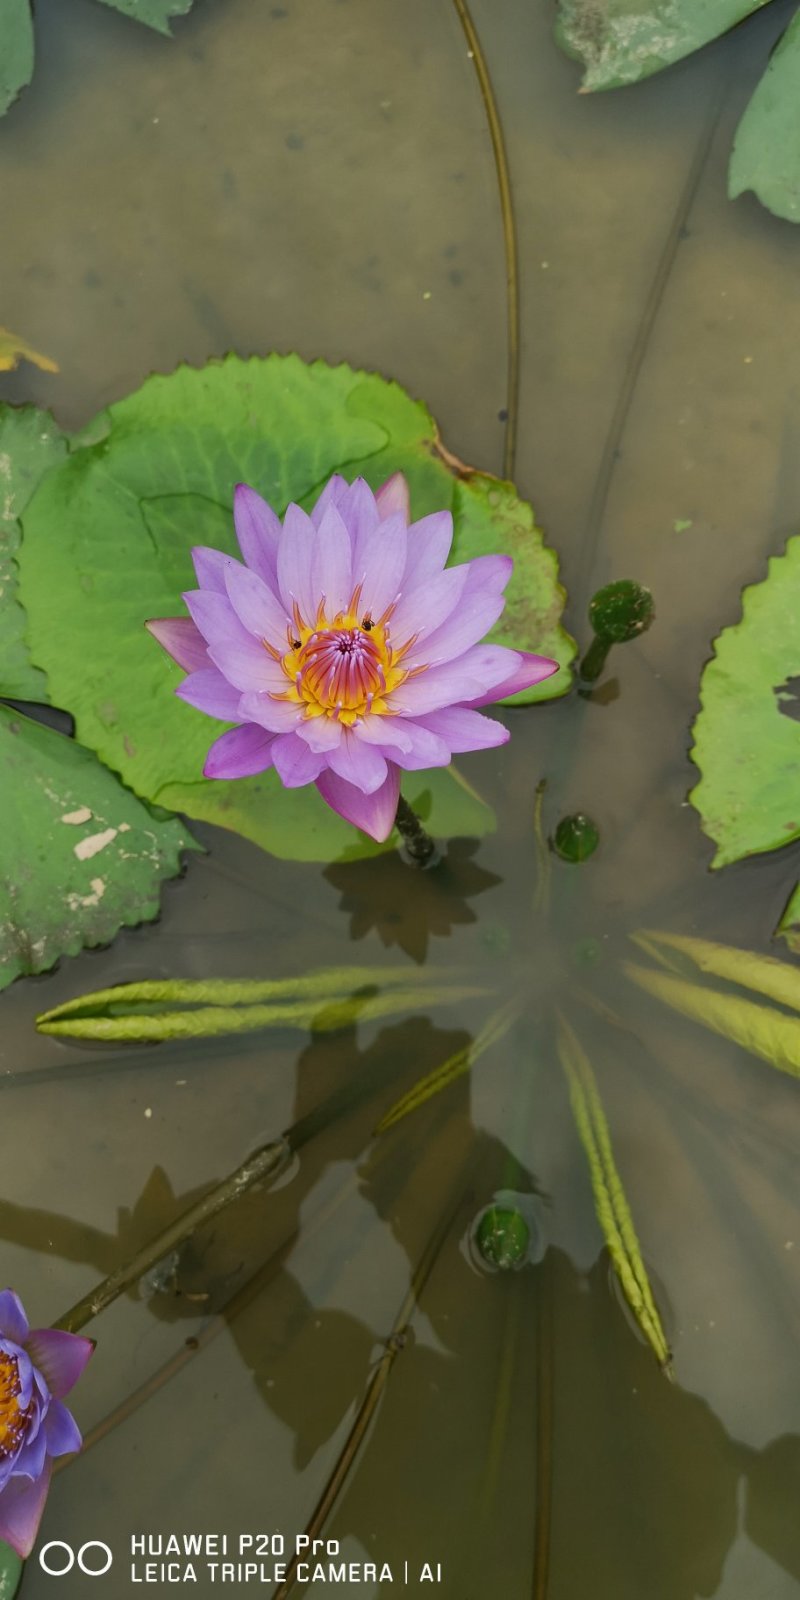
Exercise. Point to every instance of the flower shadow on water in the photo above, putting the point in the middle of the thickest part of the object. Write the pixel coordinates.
(662, 1508)
(407, 905)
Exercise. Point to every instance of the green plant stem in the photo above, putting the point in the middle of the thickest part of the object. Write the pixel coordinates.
(418, 843)
(595, 659)
(394, 1345)
(509, 231)
(266, 1162)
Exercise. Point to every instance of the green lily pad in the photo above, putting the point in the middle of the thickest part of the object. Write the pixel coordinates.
(747, 736)
(621, 41)
(16, 50)
(153, 13)
(17, 39)
(30, 444)
(11, 1569)
(766, 150)
(80, 857)
(107, 544)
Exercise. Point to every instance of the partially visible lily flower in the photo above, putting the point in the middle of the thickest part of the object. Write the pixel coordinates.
(343, 648)
(37, 1368)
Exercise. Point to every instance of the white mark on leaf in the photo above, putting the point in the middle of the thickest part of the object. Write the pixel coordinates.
(86, 848)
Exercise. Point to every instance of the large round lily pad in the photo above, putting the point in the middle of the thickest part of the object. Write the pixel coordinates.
(107, 541)
(747, 735)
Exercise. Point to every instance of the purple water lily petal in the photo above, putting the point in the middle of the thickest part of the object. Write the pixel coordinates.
(61, 1430)
(210, 567)
(361, 515)
(21, 1506)
(426, 749)
(413, 746)
(277, 716)
(462, 729)
(247, 666)
(524, 670)
(336, 492)
(458, 682)
(13, 1321)
(258, 609)
(380, 563)
(60, 1357)
(388, 733)
(295, 554)
(182, 640)
(393, 497)
(358, 763)
(240, 753)
(26, 1376)
(429, 542)
(210, 692)
(372, 813)
(478, 608)
(331, 563)
(295, 763)
(423, 609)
(31, 1458)
(320, 733)
(345, 648)
(258, 531)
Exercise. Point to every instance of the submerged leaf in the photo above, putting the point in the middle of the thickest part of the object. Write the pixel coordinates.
(747, 736)
(776, 979)
(341, 1009)
(454, 1067)
(611, 1204)
(766, 150)
(765, 1032)
(159, 479)
(80, 856)
(243, 991)
(621, 41)
(13, 349)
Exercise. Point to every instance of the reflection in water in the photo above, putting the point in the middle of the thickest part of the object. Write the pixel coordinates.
(326, 171)
(406, 906)
(644, 1475)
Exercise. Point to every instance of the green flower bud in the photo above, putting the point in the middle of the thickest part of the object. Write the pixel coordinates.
(576, 837)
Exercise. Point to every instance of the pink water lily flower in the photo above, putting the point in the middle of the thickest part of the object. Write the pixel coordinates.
(37, 1368)
(343, 648)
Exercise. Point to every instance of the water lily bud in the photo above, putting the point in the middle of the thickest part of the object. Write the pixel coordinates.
(503, 1237)
(576, 837)
(619, 612)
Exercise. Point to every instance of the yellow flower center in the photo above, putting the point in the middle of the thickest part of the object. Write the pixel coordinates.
(342, 668)
(13, 1419)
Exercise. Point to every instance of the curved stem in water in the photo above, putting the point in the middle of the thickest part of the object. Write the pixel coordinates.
(509, 231)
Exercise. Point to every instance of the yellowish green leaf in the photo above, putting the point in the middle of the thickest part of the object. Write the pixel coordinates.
(765, 1032)
(611, 1204)
(14, 349)
(775, 979)
(453, 1068)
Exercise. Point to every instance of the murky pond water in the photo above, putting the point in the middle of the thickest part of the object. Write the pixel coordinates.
(319, 177)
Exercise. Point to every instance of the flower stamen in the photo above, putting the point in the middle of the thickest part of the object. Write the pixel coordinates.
(13, 1416)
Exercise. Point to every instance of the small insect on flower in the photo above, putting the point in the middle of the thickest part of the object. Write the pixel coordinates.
(344, 649)
(37, 1368)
